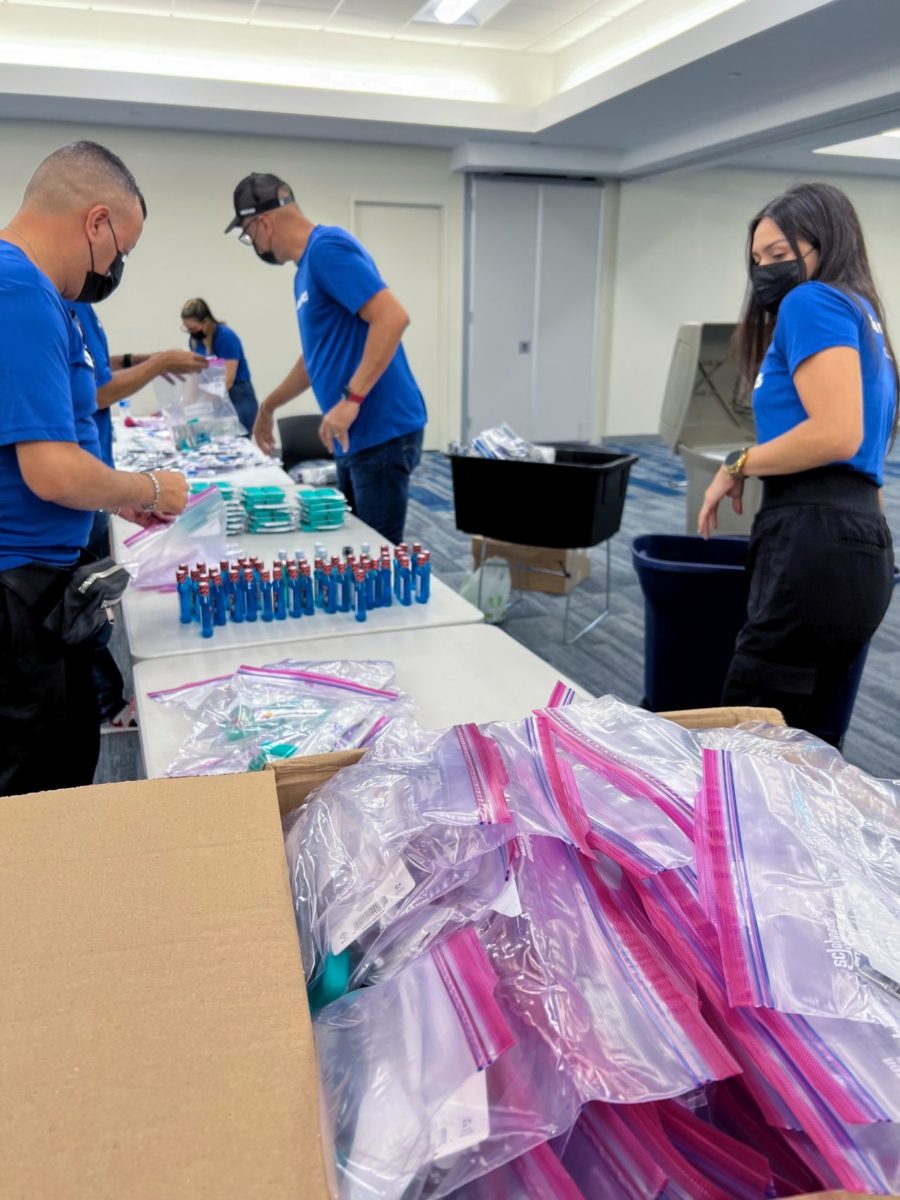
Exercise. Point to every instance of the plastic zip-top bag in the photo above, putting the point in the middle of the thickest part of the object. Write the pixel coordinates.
(199, 534)
(607, 1160)
(589, 990)
(401, 833)
(780, 872)
(406, 1066)
(198, 409)
(641, 754)
(537, 1175)
(265, 714)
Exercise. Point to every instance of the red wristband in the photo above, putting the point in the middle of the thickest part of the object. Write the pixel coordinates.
(353, 397)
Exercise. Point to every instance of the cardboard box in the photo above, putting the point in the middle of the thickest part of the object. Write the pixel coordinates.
(155, 1040)
(537, 568)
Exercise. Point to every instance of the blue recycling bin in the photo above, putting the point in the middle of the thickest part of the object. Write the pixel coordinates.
(695, 602)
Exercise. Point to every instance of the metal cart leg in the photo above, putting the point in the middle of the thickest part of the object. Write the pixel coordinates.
(603, 615)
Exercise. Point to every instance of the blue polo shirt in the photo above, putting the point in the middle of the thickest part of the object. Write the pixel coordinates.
(98, 348)
(226, 344)
(335, 278)
(48, 395)
(814, 317)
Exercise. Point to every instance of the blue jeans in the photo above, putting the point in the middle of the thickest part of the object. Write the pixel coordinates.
(243, 397)
(376, 482)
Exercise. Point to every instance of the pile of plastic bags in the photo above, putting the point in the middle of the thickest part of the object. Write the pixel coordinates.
(503, 442)
(591, 954)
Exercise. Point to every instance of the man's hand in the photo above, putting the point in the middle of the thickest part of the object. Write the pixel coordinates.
(722, 485)
(336, 424)
(146, 520)
(173, 493)
(264, 430)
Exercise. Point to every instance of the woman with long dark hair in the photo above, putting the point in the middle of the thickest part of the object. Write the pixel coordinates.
(815, 350)
(215, 339)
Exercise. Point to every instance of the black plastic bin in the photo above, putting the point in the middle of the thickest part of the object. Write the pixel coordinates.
(572, 503)
(695, 602)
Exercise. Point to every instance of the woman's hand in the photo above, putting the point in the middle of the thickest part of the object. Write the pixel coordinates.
(722, 485)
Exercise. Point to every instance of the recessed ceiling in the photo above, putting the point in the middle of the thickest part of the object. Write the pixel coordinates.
(610, 87)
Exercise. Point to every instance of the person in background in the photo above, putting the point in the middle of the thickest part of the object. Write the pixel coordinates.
(117, 379)
(813, 338)
(350, 328)
(215, 339)
(81, 216)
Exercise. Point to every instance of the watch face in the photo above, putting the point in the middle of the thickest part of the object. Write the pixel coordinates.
(733, 458)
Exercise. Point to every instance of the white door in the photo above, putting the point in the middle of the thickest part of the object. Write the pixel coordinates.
(407, 243)
(533, 282)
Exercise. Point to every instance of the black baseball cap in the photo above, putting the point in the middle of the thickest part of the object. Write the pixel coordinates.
(258, 193)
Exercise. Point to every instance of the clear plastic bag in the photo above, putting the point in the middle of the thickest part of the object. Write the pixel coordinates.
(536, 796)
(607, 1160)
(503, 442)
(785, 871)
(197, 409)
(198, 535)
(398, 834)
(488, 587)
(406, 1068)
(641, 754)
(739, 1171)
(537, 1175)
(263, 714)
(589, 991)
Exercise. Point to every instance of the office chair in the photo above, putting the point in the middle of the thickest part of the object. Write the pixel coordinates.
(300, 440)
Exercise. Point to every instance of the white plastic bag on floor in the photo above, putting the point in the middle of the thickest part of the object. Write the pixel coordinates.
(494, 581)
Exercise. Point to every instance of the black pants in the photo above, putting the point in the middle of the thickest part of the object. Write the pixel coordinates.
(49, 730)
(821, 576)
(108, 682)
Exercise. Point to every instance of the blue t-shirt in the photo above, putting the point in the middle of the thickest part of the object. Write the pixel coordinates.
(226, 344)
(814, 317)
(48, 395)
(98, 348)
(335, 278)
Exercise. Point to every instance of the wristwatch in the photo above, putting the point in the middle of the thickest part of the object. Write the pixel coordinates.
(353, 397)
(734, 463)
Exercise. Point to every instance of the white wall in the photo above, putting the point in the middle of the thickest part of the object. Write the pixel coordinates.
(680, 257)
(188, 180)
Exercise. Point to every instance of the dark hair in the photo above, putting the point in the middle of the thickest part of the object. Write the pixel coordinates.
(84, 160)
(199, 310)
(823, 216)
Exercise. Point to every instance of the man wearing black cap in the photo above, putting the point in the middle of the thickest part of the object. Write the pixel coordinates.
(350, 330)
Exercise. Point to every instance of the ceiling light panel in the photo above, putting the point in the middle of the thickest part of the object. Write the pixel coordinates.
(450, 11)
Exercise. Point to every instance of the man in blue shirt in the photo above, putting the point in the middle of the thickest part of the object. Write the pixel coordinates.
(350, 329)
(117, 380)
(81, 216)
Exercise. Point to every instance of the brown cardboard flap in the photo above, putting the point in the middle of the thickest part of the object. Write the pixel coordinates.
(155, 1040)
(297, 777)
(722, 718)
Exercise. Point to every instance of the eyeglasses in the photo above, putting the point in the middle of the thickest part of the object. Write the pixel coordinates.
(194, 333)
(244, 236)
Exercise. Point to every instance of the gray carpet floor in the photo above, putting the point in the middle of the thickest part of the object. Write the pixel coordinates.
(611, 658)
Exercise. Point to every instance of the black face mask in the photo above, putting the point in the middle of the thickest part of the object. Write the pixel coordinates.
(98, 287)
(771, 284)
(267, 256)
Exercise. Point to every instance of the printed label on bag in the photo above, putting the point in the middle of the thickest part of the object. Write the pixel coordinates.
(463, 1120)
(390, 891)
